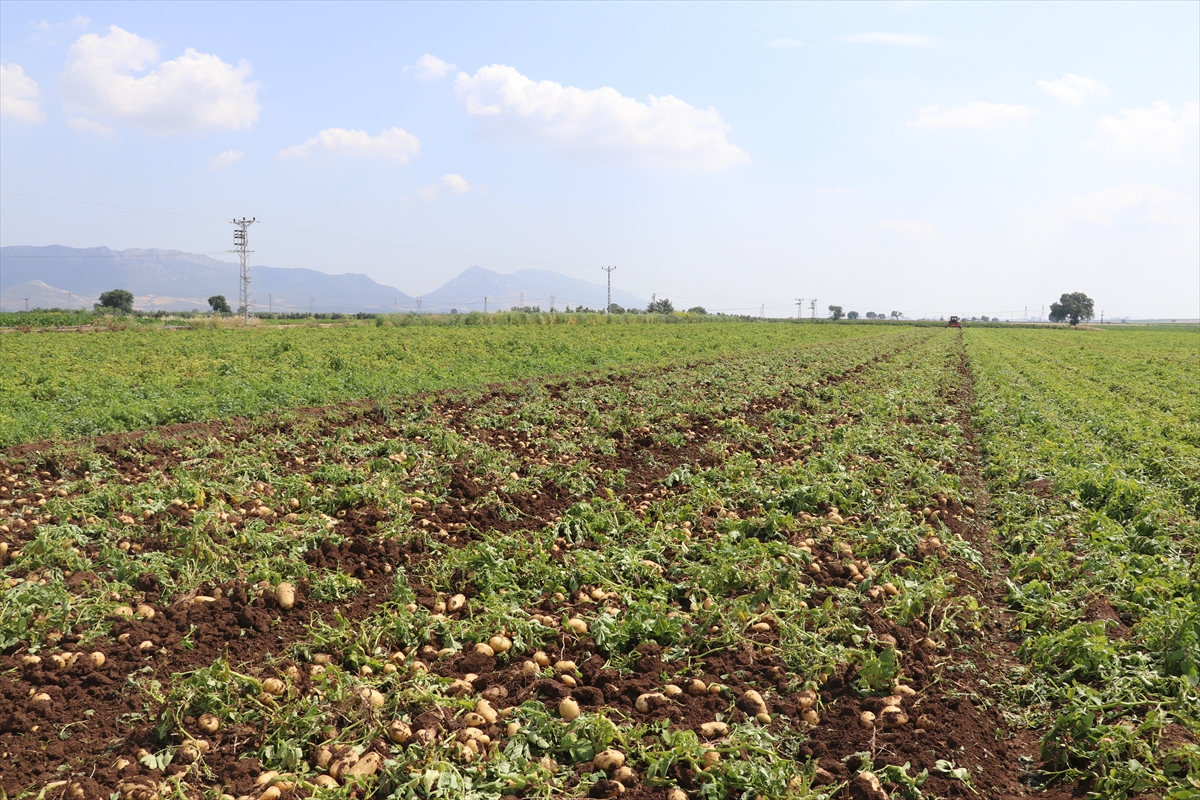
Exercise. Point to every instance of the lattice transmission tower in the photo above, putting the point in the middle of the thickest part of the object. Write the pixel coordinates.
(241, 246)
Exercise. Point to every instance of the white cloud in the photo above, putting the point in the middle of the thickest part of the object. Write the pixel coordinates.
(885, 37)
(1135, 202)
(19, 95)
(598, 124)
(785, 43)
(972, 115)
(77, 21)
(451, 182)
(922, 232)
(89, 126)
(226, 159)
(1072, 89)
(193, 92)
(1154, 134)
(393, 144)
(428, 68)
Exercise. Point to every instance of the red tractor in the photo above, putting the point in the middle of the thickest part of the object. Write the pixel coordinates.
(954, 323)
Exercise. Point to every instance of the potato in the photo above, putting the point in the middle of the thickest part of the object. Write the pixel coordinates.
(714, 730)
(512, 728)
(366, 766)
(890, 589)
(696, 687)
(474, 720)
(926, 722)
(625, 776)
(456, 603)
(648, 701)
(371, 696)
(569, 680)
(143, 611)
(763, 718)
(208, 723)
(811, 717)
(339, 766)
(270, 793)
(500, 644)
(904, 689)
(97, 658)
(266, 777)
(711, 759)
(893, 717)
(484, 649)
(273, 686)
(41, 697)
(399, 731)
(324, 782)
(530, 668)
(568, 709)
(671, 690)
(564, 666)
(866, 720)
(677, 794)
(806, 699)
(609, 760)
(484, 709)
(578, 626)
(755, 699)
(541, 659)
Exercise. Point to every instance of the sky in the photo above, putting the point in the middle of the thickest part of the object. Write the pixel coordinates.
(928, 158)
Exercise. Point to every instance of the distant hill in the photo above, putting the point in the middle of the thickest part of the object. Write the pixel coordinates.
(176, 281)
(171, 280)
(528, 287)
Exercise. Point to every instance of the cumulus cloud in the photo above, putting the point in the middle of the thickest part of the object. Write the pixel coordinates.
(226, 159)
(191, 93)
(450, 182)
(972, 115)
(19, 95)
(886, 37)
(1156, 133)
(922, 232)
(89, 126)
(428, 68)
(598, 124)
(1072, 89)
(393, 144)
(1133, 202)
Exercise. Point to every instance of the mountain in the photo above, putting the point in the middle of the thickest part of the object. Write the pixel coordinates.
(538, 286)
(176, 281)
(171, 280)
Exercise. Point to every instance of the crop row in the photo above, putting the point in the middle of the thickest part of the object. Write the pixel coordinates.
(741, 577)
(1093, 449)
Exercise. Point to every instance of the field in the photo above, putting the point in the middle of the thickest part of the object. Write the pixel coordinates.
(694, 561)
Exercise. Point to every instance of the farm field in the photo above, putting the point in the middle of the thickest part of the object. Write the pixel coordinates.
(768, 561)
(81, 384)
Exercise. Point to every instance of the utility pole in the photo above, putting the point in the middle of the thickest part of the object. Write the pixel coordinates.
(799, 306)
(418, 305)
(522, 299)
(241, 246)
(310, 305)
(1101, 316)
(394, 300)
(270, 303)
(551, 304)
(762, 311)
(609, 270)
(485, 304)
(26, 299)
(812, 307)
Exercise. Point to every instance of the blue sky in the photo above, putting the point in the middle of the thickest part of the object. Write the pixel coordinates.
(932, 158)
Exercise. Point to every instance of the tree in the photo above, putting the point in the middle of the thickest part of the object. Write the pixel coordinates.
(660, 307)
(118, 300)
(697, 310)
(896, 315)
(613, 308)
(835, 312)
(870, 314)
(219, 304)
(854, 315)
(1074, 307)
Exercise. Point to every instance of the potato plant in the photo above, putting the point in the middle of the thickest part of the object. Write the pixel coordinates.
(764, 573)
